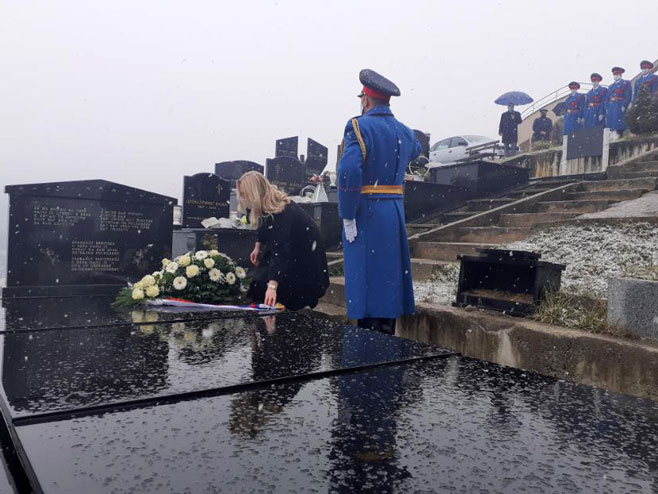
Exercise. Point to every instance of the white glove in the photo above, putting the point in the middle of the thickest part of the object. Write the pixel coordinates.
(623, 108)
(350, 230)
(600, 118)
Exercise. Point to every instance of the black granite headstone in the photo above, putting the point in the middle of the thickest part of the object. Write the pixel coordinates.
(287, 147)
(204, 195)
(583, 143)
(233, 170)
(424, 140)
(316, 156)
(286, 173)
(86, 236)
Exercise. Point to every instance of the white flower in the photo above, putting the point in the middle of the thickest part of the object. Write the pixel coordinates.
(138, 286)
(215, 274)
(208, 263)
(152, 291)
(213, 253)
(138, 294)
(201, 255)
(240, 272)
(172, 267)
(230, 278)
(180, 282)
(184, 260)
(192, 271)
(156, 274)
(165, 261)
(147, 281)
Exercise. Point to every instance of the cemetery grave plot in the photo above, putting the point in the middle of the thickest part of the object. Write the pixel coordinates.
(210, 403)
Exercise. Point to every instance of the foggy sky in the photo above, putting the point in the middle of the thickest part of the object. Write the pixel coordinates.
(144, 92)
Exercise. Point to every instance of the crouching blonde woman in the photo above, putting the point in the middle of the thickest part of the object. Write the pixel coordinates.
(289, 257)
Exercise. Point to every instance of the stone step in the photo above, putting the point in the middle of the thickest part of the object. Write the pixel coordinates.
(424, 269)
(572, 206)
(479, 205)
(414, 228)
(644, 183)
(491, 234)
(531, 219)
(456, 216)
(447, 251)
(645, 174)
(335, 294)
(641, 166)
(609, 195)
(330, 311)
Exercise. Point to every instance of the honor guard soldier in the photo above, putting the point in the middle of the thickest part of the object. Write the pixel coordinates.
(647, 79)
(617, 101)
(542, 127)
(574, 106)
(374, 155)
(594, 114)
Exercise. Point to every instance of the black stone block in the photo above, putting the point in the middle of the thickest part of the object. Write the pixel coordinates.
(316, 157)
(90, 236)
(233, 170)
(326, 217)
(287, 147)
(204, 195)
(289, 174)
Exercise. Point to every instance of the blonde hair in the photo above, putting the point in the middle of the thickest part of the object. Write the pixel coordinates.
(260, 197)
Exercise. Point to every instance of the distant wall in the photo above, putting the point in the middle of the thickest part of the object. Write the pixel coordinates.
(547, 163)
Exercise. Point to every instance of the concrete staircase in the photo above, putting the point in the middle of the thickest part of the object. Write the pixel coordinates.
(491, 222)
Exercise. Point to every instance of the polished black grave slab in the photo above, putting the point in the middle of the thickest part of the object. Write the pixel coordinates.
(68, 369)
(50, 313)
(443, 426)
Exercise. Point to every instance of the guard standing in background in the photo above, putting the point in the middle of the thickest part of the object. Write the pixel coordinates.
(574, 106)
(594, 114)
(617, 100)
(647, 80)
(542, 127)
(375, 153)
(508, 129)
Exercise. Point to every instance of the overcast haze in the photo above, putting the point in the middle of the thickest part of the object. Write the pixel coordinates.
(143, 92)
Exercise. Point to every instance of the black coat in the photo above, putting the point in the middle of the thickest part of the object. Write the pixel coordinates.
(292, 253)
(509, 121)
(541, 129)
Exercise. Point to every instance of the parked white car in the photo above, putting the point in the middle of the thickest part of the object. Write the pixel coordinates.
(447, 151)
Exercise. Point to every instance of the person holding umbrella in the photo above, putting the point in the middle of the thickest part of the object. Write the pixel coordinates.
(511, 119)
(508, 129)
(574, 104)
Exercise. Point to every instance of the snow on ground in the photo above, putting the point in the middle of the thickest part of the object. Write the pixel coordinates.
(593, 254)
(441, 289)
(646, 205)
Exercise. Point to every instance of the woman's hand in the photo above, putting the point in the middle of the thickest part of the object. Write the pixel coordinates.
(270, 294)
(254, 254)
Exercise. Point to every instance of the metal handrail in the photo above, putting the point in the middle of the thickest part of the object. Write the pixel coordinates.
(550, 98)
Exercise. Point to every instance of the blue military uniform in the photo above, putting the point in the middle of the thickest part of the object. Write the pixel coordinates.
(594, 113)
(617, 100)
(650, 81)
(375, 153)
(574, 107)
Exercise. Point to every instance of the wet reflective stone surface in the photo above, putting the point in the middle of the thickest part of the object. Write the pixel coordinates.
(65, 369)
(443, 426)
(278, 421)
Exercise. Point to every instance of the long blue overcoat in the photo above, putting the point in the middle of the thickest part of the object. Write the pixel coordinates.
(650, 81)
(377, 263)
(594, 113)
(574, 106)
(617, 101)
